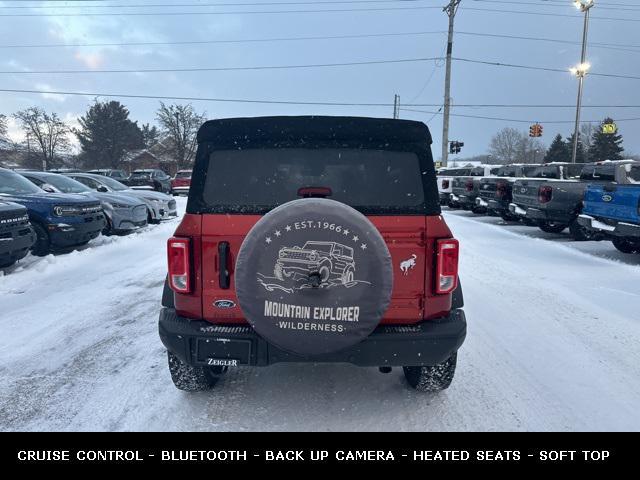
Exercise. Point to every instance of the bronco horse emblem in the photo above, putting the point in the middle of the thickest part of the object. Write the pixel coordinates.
(408, 264)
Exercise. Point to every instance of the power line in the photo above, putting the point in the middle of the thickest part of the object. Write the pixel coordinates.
(292, 102)
(256, 12)
(251, 40)
(303, 66)
(222, 69)
(545, 69)
(613, 46)
(206, 5)
(516, 120)
(522, 12)
(564, 4)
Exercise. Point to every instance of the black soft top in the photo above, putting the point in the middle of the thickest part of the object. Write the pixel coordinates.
(310, 131)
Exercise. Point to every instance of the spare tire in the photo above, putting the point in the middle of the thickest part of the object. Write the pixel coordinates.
(313, 276)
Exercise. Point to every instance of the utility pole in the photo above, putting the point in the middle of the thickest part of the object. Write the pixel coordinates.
(450, 10)
(396, 106)
(581, 71)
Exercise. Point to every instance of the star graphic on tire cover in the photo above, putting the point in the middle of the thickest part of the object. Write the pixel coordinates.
(268, 239)
(288, 228)
(277, 233)
(356, 238)
(363, 246)
(346, 232)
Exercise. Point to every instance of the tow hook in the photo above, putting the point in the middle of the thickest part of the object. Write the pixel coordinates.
(384, 369)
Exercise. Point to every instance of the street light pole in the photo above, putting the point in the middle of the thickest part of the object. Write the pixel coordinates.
(580, 71)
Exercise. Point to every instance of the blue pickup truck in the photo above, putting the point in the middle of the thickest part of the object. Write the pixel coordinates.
(612, 210)
(60, 221)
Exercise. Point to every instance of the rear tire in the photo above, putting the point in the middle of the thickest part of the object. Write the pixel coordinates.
(508, 216)
(625, 246)
(550, 227)
(580, 233)
(192, 379)
(432, 379)
(42, 246)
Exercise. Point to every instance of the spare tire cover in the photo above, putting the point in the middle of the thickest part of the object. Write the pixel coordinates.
(286, 249)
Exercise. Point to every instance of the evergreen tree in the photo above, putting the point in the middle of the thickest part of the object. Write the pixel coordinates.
(558, 151)
(605, 147)
(581, 153)
(106, 134)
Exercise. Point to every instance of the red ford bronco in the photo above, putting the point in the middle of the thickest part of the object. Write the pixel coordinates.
(313, 239)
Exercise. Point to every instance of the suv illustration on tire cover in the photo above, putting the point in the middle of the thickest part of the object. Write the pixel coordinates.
(333, 261)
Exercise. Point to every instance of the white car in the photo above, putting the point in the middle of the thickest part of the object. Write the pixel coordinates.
(160, 206)
(445, 183)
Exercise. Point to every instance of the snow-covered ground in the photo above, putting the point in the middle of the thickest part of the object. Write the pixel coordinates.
(552, 345)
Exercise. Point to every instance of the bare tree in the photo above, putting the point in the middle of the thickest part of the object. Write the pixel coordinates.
(510, 145)
(586, 137)
(505, 145)
(179, 125)
(47, 133)
(4, 131)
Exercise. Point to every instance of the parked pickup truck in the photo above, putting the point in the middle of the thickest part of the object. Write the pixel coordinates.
(495, 192)
(445, 182)
(613, 210)
(556, 203)
(16, 234)
(313, 239)
(465, 189)
(61, 221)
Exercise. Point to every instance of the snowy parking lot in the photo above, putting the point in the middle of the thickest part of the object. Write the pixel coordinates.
(553, 335)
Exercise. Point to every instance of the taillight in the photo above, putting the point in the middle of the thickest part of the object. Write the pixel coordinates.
(447, 265)
(501, 189)
(544, 194)
(445, 184)
(469, 186)
(179, 259)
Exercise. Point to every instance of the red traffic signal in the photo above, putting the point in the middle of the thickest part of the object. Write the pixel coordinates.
(535, 130)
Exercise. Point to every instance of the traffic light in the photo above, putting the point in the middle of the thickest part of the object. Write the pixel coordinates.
(535, 130)
(455, 147)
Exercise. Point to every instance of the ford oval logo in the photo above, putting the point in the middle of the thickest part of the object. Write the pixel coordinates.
(607, 198)
(224, 304)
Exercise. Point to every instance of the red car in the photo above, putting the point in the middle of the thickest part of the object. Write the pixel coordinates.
(349, 208)
(181, 182)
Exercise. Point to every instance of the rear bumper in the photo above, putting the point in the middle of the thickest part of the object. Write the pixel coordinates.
(444, 198)
(541, 215)
(464, 200)
(616, 229)
(497, 205)
(195, 342)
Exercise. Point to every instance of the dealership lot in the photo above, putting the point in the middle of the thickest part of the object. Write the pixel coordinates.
(552, 345)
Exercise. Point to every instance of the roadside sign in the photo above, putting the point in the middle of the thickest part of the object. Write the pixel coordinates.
(609, 128)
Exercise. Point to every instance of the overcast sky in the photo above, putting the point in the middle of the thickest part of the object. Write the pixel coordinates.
(415, 82)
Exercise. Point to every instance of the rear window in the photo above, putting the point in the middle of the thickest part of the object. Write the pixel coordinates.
(372, 181)
(542, 172)
(606, 173)
(183, 175)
